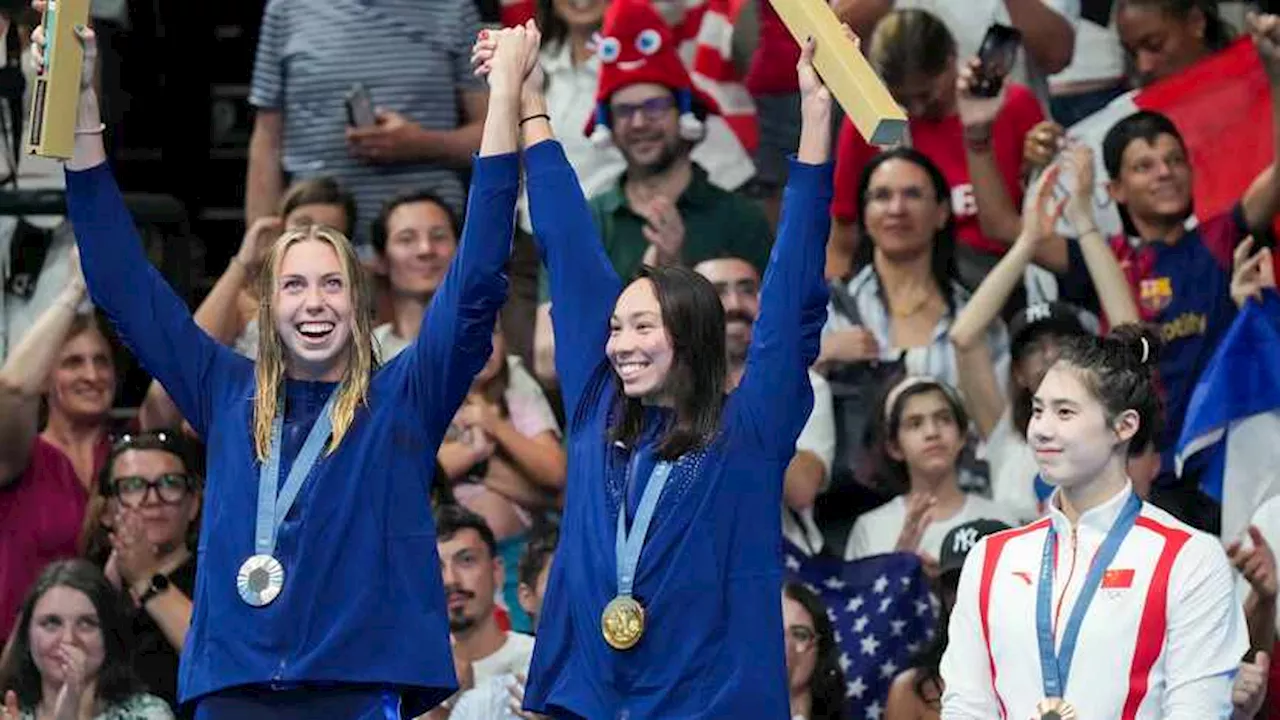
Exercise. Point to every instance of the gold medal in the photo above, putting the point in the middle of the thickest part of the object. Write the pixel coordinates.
(1055, 709)
(622, 622)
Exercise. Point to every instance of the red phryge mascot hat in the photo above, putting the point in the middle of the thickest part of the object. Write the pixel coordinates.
(637, 46)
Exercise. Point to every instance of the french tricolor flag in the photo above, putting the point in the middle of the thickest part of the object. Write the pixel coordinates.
(1234, 416)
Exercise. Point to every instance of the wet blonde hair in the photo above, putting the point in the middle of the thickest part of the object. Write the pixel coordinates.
(354, 388)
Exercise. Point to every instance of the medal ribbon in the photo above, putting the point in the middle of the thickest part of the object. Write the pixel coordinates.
(272, 509)
(628, 545)
(1055, 667)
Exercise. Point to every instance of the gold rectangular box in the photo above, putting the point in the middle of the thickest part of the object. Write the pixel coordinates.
(51, 126)
(847, 74)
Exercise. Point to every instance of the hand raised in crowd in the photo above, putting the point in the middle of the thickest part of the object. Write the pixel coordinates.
(1265, 30)
(1040, 209)
(257, 241)
(1042, 144)
(482, 58)
(1250, 687)
(663, 229)
(507, 57)
(1256, 563)
(976, 112)
(10, 710)
(1079, 161)
(134, 558)
(1251, 272)
(814, 95)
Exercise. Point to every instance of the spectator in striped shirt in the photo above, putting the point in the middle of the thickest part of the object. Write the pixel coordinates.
(412, 57)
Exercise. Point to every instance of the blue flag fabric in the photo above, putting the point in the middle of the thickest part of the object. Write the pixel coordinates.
(882, 612)
(1232, 428)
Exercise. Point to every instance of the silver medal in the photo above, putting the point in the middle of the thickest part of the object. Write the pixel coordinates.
(260, 580)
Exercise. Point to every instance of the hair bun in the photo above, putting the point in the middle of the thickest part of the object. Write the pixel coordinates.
(1139, 344)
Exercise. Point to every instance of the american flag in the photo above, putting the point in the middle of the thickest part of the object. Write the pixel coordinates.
(882, 613)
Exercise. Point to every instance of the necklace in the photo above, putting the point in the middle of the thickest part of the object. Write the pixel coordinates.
(917, 307)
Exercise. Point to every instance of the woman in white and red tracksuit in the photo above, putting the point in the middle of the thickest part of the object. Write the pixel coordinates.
(1107, 607)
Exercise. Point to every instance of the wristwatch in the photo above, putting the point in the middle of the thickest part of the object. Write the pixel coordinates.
(159, 583)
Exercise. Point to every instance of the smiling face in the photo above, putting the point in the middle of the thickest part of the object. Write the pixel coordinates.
(65, 616)
(1160, 43)
(646, 127)
(420, 245)
(580, 15)
(1070, 433)
(313, 311)
(639, 347)
(1154, 182)
(903, 212)
(82, 383)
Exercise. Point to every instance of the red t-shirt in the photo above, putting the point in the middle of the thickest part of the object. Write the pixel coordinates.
(942, 142)
(773, 66)
(41, 514)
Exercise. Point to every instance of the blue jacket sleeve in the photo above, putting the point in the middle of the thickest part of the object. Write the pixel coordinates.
(584, 285)
(154, 323)
(775, 395)
(456, 336)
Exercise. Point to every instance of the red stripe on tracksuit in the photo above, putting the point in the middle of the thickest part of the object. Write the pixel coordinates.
(995, 546)
(1151, 628)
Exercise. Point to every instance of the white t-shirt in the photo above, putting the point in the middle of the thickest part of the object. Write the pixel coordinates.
(1013, 470)
(1098, 55)
(818, 437)
(876, 532)
(968, 21)
(513, 657)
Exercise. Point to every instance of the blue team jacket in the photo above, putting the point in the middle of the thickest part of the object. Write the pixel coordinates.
(711, 571)
(362, 600)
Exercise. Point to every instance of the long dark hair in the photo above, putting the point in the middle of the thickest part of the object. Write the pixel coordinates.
(943, 261)
(826, 686)
(694, 321)
(116, 681)
(555, 31)
(1119, 370)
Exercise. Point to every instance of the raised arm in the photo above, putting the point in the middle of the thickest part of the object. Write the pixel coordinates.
(974, 363)
(1109, 282)
(583, 282)
(456, 337)
(775, 390)
(151, 319)
(23, 376)
(1262, 200)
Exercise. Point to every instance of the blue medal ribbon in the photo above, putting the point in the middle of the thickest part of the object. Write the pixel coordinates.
(1056, 666)
(629, 545)
(272, 509)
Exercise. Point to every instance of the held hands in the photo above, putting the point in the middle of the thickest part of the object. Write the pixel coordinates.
(1250, 275)
(509, 59)
(1265, 30)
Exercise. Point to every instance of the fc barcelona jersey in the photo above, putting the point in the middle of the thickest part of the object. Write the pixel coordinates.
(1184, 289)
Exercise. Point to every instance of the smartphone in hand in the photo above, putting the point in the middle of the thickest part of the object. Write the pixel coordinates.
(360, 107)
(996, 56)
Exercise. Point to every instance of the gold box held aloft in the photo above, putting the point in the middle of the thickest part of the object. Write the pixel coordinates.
(847, 74)
(51, 126)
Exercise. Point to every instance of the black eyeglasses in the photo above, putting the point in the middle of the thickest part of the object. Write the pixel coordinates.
(131, 491)
(653, 109)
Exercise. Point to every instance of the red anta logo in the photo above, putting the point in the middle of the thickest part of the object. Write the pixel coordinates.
(1023, 575)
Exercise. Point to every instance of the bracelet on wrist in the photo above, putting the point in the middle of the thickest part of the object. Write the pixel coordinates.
(535, 116)
(92, 130)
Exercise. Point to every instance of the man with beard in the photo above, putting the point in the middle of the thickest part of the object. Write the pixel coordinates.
(738, 284)
(664, 210)
(472, 573)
